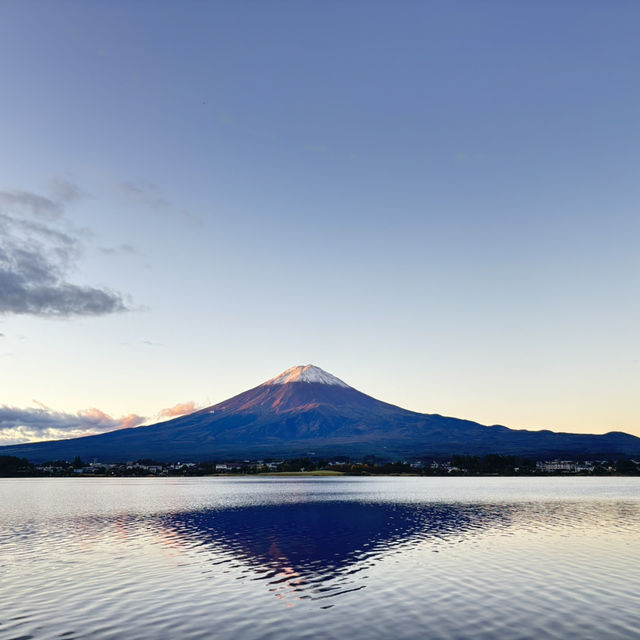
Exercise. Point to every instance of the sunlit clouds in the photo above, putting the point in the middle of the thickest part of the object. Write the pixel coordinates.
(42, 423)
(177, 410)
(35, 424)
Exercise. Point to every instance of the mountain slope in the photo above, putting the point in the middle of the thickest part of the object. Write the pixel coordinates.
(306, 410)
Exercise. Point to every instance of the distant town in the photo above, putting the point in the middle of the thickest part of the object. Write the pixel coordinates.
(458, 465)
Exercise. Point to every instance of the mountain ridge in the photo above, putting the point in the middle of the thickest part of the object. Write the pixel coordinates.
(305, 410)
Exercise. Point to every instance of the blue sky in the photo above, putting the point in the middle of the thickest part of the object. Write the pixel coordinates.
(435, 201)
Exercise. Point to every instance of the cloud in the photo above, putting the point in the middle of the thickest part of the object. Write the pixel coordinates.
(149, 195)
(122, 249)
(66, 191)
(178, 410)
(34, 424)
(145, 193)
(25, 201)
(151, 343)
(132, 420)
(18, 426)
(35, 259)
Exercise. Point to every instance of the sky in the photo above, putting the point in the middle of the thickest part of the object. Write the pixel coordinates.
(436, 202)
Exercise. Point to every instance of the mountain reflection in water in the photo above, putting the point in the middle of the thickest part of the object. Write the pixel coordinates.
(479, 558)
(319, 548)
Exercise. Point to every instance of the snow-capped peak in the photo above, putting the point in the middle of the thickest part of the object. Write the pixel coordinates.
(307, 373)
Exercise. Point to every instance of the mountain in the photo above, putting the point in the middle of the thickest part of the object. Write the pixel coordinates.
(306, 410)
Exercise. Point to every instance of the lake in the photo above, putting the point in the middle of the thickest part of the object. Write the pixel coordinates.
(320, 558)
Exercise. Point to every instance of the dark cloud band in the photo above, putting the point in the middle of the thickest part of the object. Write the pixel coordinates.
(34, 260)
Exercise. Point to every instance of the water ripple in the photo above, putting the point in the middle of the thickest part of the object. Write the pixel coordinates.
(370, 559)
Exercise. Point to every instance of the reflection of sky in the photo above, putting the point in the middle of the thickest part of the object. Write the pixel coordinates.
(321, 550)
(385, 567)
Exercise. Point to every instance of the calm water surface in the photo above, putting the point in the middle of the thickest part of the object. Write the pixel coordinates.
(320, 557)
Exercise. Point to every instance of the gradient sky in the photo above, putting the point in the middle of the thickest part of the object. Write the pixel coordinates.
(435, 201)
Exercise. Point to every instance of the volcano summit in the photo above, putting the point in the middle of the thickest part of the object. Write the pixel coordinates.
(305, 410)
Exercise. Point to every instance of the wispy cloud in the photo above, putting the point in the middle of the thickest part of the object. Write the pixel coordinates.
(151, 343)
(150, 196)
(28, 202)
(35, 259)
(121, 249)
(34, 424)
(66, 191)
(145, 193)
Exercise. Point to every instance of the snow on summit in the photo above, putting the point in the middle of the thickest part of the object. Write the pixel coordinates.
(308, 373)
